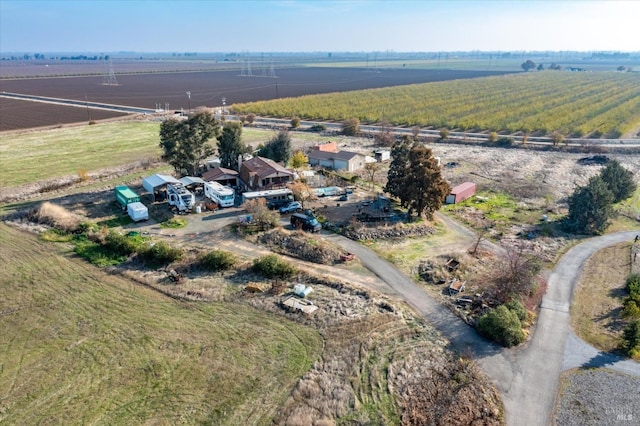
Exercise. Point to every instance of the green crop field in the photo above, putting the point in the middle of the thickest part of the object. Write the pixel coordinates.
(34, 156)
(573, 103)
(80, 346)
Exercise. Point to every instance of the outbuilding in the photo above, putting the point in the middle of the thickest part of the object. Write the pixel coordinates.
(460, 193)
(154, 184)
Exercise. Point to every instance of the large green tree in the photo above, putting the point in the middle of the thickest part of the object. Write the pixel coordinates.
(424, 188)
(278, 148)
(230, 145)
(590, 207)
(186, 143)
(619, 181)
(398, 166)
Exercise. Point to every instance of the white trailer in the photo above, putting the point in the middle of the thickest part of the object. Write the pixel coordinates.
(220, 194)
(179, 197)
(137, 211)
(274, 198)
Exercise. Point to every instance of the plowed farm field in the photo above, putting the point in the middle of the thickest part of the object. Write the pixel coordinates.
(169, 90)
(17, 114)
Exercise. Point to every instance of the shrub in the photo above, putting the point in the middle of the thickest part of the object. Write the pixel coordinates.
(493, 136)
(351, 127)
(95, 253)
(444, 134)
(633, 284)
(217, 260)
(502, 326)
(160, 253)
(83, 175)
(318, 128)
(295, 122)
(174, 223)
(631, 339)
(121, 244)
(250, 118)
(517, 307)
(273, 266)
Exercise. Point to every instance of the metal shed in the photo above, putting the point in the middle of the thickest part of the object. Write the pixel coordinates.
(461, 192)
(153, 182)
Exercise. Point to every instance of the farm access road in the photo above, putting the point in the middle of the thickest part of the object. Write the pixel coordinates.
(526, 377)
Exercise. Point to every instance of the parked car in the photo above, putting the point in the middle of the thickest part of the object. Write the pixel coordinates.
(293, 206)
(344, 197)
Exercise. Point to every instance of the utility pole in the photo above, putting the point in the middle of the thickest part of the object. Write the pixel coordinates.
(86, 102)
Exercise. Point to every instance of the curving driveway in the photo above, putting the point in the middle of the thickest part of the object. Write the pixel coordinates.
(527, 377)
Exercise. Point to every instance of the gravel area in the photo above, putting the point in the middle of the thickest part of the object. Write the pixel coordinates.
(598, 397)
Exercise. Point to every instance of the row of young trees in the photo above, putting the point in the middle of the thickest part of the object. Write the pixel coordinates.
(566, 102)
(187, 143)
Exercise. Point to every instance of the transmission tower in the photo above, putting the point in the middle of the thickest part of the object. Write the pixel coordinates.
(109, 78)
(272, 71)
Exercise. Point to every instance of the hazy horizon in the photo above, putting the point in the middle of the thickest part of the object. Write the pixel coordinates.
(156, 26)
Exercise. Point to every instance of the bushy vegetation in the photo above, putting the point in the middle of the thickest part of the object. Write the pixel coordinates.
(174, 223)
(502, 325)
(217, 260)
(159, 253)
(569, 103)
(350, 127)
(591, 206)
(632, 302)
(318, 128)
(273, 266)
(631, 339)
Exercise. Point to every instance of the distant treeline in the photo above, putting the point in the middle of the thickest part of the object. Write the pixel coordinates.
(39, 56)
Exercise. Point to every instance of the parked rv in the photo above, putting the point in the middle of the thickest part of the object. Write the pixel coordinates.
(220, 194)
(180, 198)
(275, 198)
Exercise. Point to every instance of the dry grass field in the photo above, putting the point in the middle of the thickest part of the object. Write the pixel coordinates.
(81, 346)
(595, 313)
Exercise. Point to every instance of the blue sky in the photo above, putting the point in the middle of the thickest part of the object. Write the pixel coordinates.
(298, 25)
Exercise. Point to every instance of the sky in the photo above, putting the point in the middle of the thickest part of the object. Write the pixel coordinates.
(108, 26)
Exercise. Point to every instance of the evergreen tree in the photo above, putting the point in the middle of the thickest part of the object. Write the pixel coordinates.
(185, 143)
(278, 148)
(398, 166)
(619, 181)
(590, 207)
(230, 145)
(424, 188)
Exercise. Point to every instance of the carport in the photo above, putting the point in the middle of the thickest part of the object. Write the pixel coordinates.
(156, 184)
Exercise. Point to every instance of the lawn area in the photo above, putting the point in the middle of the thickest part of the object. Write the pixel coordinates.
(36, 156)
(595, 312)
(82, 346)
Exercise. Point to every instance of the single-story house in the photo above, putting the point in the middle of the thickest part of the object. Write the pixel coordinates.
(341, 160)
(262, 173)
(222, 176)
